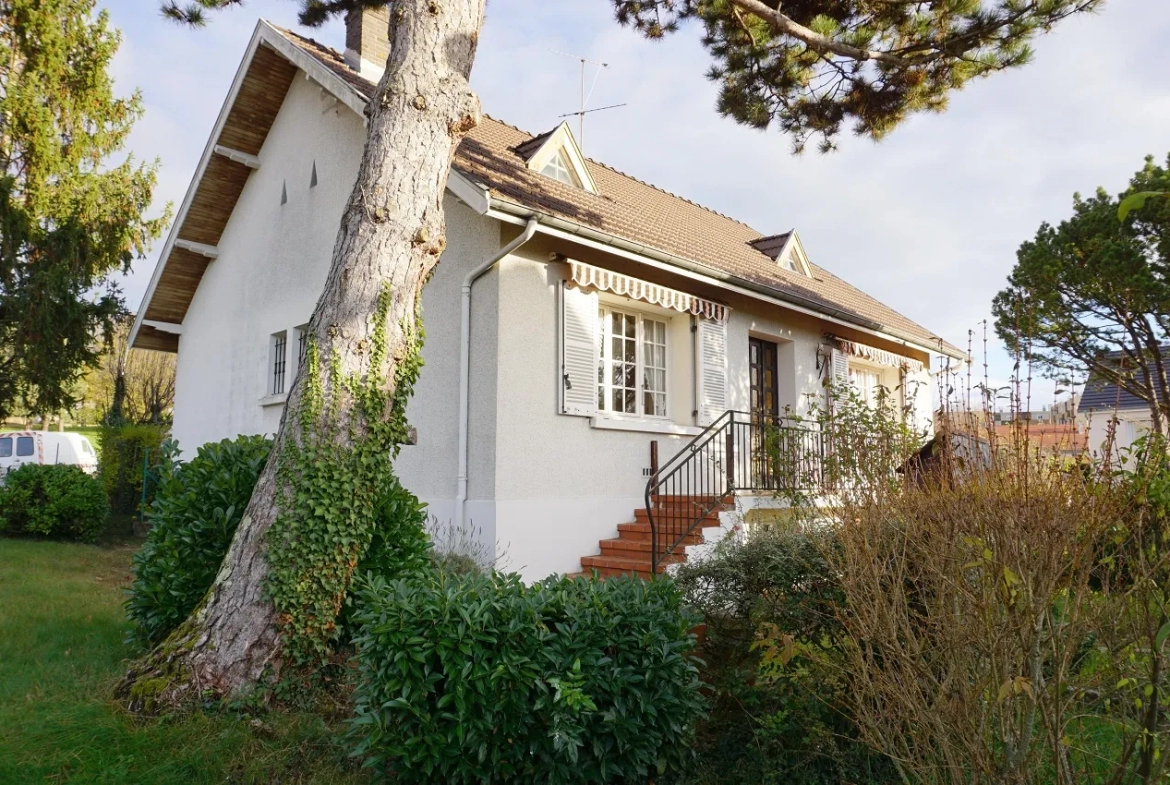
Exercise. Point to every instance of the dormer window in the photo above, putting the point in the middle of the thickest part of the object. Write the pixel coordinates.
(786, 250)
(556, 155)
(556, 169)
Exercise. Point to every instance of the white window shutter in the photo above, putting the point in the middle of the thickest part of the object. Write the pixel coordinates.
(578, 352)
(710, 370)
(838, 374)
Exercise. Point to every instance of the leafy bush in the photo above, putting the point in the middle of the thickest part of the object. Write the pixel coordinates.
(193, 519)
(774, 663)
(123, 453)
(400, 545)
(480, 678)
(54, 500)
(195, 515)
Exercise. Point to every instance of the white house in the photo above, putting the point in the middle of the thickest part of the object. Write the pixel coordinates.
(603, 315)
(1111, 417)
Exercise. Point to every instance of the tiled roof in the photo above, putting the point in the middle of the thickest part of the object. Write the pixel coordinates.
(494, 155)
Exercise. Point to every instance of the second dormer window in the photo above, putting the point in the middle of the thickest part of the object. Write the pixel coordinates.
(556, 169)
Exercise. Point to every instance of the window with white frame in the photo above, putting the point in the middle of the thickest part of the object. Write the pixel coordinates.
(556, 169)
(631, 363)
(277, 362)
(866, 382)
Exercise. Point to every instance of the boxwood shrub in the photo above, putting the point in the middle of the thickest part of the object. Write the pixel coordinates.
(481, 678)
(54, 500)
(193, 519)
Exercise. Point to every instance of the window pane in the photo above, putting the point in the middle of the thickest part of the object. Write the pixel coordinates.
(6, 447)
(24, 446)
(630, 403)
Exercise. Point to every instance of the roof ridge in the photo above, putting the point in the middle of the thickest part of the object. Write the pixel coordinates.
(531, 136)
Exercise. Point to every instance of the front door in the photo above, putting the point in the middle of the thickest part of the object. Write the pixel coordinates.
(765, 408)
(765, 399)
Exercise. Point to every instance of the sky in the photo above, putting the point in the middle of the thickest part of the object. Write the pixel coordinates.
(928, 220)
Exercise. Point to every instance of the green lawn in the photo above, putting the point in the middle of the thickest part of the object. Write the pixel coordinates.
(89, 431)
(62, 650)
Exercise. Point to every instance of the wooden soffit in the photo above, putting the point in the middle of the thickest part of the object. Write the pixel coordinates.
(254, 103)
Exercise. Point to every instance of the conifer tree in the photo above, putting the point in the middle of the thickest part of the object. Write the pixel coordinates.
(274, 601)
(1091, 295)
(68, 218)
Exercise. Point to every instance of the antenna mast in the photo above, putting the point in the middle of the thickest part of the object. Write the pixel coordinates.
(580, 113)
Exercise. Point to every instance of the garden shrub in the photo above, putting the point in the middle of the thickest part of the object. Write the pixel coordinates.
(193, 518)
(481, 678)
(54, 500)
(774, 663)
(195, 514)
(123, 453)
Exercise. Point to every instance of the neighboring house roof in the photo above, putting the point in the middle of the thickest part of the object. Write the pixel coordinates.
(494, 157)
(1047, 437)
(1100, 395)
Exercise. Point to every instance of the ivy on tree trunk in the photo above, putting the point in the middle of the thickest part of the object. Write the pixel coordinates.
(273, 604)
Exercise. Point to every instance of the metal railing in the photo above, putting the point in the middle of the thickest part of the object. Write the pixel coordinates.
(740, 451)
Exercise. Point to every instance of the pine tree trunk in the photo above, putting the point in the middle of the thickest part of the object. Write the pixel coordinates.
(392, 232)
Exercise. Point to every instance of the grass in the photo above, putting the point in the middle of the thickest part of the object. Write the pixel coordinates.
(62, 651)
(88, 431)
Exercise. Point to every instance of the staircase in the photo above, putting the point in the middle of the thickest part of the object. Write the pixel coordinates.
(630, 553)
(739, 451)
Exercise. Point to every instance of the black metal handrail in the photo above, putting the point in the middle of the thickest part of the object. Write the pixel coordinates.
(739, 451)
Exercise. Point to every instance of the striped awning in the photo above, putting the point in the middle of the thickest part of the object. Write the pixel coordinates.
(590, 278)
(875, 355)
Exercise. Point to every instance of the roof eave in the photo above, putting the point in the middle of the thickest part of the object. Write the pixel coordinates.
(208, 151)
(510, 211)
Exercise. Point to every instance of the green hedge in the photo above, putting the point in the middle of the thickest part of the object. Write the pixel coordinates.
(122, 457)
(53, 500)
(194, 516)
(482, 679)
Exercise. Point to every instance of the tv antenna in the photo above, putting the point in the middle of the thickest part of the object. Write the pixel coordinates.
(580, 113)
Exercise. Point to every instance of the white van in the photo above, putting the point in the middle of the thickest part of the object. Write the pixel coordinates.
(20, 447)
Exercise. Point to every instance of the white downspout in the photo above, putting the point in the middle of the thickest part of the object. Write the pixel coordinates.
(465, 358)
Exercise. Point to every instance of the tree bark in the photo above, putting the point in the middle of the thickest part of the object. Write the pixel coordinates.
(391, 233)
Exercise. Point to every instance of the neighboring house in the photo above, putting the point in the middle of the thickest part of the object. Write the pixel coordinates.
(617, 319)
(1111, 415)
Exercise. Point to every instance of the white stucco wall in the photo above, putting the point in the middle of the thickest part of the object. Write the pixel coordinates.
(562, 484)
(1132, 424)
(270, 271)
(272, 264)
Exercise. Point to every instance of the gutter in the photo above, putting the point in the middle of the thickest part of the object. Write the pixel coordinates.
(465, 356)
(508, 211)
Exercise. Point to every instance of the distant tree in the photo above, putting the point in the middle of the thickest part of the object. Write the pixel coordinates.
(292, 560)
(129, 385)
(1092, 294)
(69, 218)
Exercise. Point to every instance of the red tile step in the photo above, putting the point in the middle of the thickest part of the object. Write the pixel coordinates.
(629, 552)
